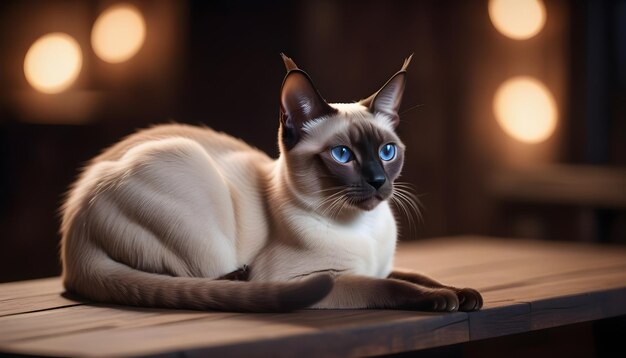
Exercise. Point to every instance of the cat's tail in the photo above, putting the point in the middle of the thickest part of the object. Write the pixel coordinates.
(105, 280)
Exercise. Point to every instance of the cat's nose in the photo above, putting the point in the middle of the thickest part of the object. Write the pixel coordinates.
(377, 181)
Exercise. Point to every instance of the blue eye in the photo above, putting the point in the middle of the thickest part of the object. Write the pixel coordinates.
(341, 153)
(387, 152)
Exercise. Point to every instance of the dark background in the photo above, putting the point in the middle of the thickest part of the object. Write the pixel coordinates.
(217, 63)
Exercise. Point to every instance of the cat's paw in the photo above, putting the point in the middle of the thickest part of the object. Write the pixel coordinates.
(441, 300)
(469, 299)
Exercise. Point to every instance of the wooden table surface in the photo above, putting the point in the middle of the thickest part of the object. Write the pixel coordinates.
(527, 285)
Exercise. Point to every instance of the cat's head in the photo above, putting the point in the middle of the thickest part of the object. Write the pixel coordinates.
(340, 155)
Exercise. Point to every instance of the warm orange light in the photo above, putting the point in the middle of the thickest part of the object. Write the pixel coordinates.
(518, 19)
(118, 33)
(525, 109)
(53, 62)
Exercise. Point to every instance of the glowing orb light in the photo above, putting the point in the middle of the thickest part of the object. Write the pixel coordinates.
(518, 19)
(53, 62)
(118, 33)
(525, 109)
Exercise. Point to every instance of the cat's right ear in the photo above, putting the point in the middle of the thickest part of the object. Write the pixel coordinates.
(289, 64)
(387, 99)
(300, 102)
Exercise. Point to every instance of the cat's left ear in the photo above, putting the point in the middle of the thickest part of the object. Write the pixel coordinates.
(300, 102)
(387, 99)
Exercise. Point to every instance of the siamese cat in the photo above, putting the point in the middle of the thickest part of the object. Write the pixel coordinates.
(185, 217)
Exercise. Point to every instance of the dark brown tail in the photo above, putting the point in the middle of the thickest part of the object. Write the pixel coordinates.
(105, 280)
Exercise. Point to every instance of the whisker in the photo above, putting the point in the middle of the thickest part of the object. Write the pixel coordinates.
(336, 207)
(328, 199)
(402, 206)
(347, 202)
(412, 201)
(333, 199)
(408, 204)
(328, 189)
(410, 109)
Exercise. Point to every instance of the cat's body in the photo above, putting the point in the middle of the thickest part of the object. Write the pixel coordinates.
(160, 217)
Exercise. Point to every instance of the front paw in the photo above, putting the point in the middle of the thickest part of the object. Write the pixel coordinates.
(469, 299)
(440, 300)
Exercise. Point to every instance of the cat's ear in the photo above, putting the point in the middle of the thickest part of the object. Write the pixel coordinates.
(387, 99)
(289, 64)
(300, 102)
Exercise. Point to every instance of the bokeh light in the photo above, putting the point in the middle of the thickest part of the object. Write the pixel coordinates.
(53, 62)
(118, 33)
(525, 109)
(518, 19)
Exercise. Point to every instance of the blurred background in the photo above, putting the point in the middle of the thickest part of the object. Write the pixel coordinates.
(514, 112)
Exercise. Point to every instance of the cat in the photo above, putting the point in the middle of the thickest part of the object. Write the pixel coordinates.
(185, 217)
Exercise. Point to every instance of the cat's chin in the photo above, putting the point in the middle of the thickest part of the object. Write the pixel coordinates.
(368, 204)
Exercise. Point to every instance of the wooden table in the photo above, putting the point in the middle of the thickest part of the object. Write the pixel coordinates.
(527, 285)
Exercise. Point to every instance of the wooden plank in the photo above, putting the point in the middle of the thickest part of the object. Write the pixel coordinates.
(311, 332)
(561, 286)
(356, 342)
(516, 276)
(527, 285)
(523, 262)
(583, 307)
(34, 295)
(450, 254)
(35, 303)
(571, 300)
(500, 321)
(465, 256)
(516, 285)
(21, 289)
(68, 320)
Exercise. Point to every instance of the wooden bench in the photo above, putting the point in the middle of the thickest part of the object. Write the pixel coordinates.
(527, 285)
